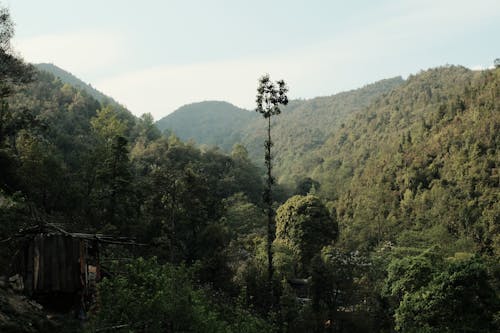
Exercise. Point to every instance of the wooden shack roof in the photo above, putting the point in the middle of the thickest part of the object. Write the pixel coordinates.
(54, 229)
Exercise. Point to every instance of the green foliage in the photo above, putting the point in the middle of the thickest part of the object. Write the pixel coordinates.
(151, 297)
(304, 225)
(270, 98)
(409, 274)
(210, 123)
(307, 186)
(75, 82)
(146, 129)
(403, 166)
(41, 171)
(304, 126)
(341, 289)
(107, 124)
(418, 166)
(6, 29)
(241, 216)
(458, 299)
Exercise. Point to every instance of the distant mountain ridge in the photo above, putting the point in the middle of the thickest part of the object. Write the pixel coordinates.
(67, 77)
(303, 125)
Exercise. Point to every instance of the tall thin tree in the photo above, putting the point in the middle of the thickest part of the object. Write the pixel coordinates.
(270, 96)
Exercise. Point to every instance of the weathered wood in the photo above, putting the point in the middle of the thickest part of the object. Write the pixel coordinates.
(39, 242)
(27, 269)
(112, 328)
(52, 261)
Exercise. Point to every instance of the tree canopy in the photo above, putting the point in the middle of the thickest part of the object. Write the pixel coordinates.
(304, 224)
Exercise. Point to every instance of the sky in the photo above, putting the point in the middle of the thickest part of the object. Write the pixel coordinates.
(155, 56)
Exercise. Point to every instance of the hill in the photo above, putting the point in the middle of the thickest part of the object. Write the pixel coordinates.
(305, 124)
(396, 228)
(211, 122)
(420, 165)
(302, 126)
(67, 77)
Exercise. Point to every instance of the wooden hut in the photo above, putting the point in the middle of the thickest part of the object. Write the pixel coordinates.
(58, 265)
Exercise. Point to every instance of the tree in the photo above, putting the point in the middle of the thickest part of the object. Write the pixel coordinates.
(306, 185)
(146, 129)
(149, 297)
(270, 96)
(304, 225)
(110, 175)
(459, 299)
(6, 29)
(497, 63)
(245, 175)
(339, 281)
(12, 69)
(409, 274)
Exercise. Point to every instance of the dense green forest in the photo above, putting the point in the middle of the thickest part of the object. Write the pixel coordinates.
(209, 123)
(303, 126)
(422, 163)
(387, 206)
(72, 80)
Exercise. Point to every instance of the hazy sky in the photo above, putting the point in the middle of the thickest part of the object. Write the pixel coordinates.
(154, 56)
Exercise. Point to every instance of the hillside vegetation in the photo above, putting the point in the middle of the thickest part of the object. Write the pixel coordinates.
(67, 77)
(302, 127)
(209, 123)
(389, 220)
(420, 165)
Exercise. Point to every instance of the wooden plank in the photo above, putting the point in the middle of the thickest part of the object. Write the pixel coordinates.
(61, 244)
(57, 252)
(36, 265)
(74, 276)
(39, 242)
(27, 268)
(76, 265)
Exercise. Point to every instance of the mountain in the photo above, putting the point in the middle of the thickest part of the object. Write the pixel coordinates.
(67, 77)
(419, 166)
(302, 126)
(412, 162)
(305, 124)
(211, 122)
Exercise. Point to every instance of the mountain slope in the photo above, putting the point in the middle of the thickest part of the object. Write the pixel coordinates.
(305, 124)
(210, 122)
(302, 126)
(67, 77)
(420, 166)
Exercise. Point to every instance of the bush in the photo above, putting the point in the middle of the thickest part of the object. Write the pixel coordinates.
(149, 297)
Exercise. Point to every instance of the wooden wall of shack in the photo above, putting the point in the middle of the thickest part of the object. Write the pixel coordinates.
(55, 263)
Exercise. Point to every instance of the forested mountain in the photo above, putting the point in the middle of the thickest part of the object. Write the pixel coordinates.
(67, 77)
(302, 126)
(393, 225)
(305, 124)
(211, 123)
(410, 173)
(420, 165)
(67, 159)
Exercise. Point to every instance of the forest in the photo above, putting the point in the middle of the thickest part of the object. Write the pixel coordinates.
(384, 217)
